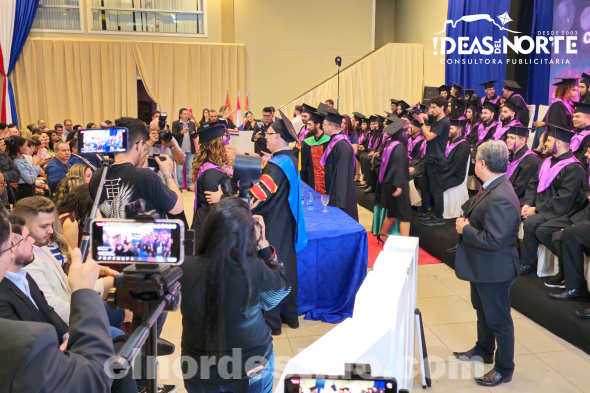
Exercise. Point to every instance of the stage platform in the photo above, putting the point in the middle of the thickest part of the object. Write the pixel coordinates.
(529, 295)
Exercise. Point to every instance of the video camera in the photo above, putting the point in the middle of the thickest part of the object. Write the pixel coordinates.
(416, 110)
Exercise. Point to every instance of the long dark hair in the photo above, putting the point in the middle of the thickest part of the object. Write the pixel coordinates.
(50, 134)
(227, 240)
(203, 119)
(14, 143)
(475, 116)
(349, 128)
(78, 202)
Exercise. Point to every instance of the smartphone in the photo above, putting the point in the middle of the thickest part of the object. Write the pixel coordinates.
(102, 141)
(311, 384)
(129, 241)
(190, 111)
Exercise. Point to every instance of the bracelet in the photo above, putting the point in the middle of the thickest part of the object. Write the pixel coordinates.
(264, 245)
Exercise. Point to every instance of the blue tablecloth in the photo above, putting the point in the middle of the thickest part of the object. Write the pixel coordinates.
(333, 266)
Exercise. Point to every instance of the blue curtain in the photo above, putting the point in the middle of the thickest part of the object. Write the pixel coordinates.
(472, 75)
(539, 74)
(24, 15)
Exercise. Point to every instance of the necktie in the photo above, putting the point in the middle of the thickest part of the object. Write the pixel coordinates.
(478, 194)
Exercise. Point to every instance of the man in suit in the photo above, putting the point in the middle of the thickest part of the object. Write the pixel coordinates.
(34, 360)
(185, 131)
(487, 257)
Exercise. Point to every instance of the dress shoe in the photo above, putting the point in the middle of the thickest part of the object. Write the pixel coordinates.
(556, 281)
(276, 332)
(471, 356)
(291, 324)
(453, 249)
(493, 378)
(583, 313)
(165, 347)
(423, 216)
(526, 269)
(434, 222)
(571, 294)
(368, 190)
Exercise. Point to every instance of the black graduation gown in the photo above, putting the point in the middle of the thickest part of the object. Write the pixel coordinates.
(274, 208)
(396, 176)
(472, 137)
(523, 114)
(312, 173)
(360, 154)
(417, 161)
(339, 177)
(210, 180)
(524, 172)
(454, 172)
(558, 115)
(367, 164)
(581, 151)
(490, 133)
(559, 198)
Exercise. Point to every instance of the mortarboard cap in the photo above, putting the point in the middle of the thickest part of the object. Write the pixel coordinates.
(308, 109)
(357, 115)
(488, 85)
(334, 117)
(458, 123)
(323, 108)
(474, 105)
(458, 88)
(560, 133)
(510, 85)
(491, 107)
(394, 101)
(469, 92)
(403, 104)
(582, 107)
(391, 117)
(372, 119)
(513, 106)
(586, 78)
(380, 119)
(520, 131)
(366, 120)
(210, 133)
(415, 123)
(444, 88)
(317, 117)
(284, 127)
(567, 82)
(395, 126)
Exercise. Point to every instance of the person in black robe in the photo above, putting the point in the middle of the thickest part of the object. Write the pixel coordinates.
(339, 167)
(363, 148)
(508, 91)
(373, 147)
(394, 177)
(523, 163)
(312, 149)
(457, 91)
(550, 197)
(456, 108)
(211, 173)
(417, 153)
(457, 156)
(445, 91)
(507, 119)
(581, 120)
(402, 108)
(560, 111)
(491, 95)
(270, 199)
(489, 114)
(584, 85)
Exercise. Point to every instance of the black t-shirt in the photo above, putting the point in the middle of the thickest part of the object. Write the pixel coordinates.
(435, 149)
(125, 183)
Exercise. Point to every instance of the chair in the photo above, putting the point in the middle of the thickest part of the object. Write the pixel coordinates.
(531, 114)
(455, 197)
(415, 196)
(547, 265)
(542, 112)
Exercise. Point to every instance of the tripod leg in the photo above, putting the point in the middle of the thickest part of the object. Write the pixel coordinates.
(424, 366)
(151, 356)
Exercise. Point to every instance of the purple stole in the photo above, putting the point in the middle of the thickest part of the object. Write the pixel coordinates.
(578, 139)
(303, 134)
(493, 101)
(462, 118)
(336, 138)
(202, 169)
(514, 163)
(548, 172)
(483, 131)
(385, 159)
(451, 146)
(374, 143)
(468, 128)
(423, 148)
(362, 137)
(412, 143)
(568, 106)
(501, 130)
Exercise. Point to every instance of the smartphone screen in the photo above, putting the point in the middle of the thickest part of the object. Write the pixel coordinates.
(128, 241)
(112, 140)
(310, 384)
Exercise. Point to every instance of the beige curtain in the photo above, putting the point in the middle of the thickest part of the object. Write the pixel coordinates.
(394, 71)
(86, 81)
(193, 76)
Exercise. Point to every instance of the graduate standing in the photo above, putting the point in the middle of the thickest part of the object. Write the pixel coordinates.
(277, 198)
(458, 153)
(581, 120)
(416, 150)
(338, 160)
(523, 163)
(394, 178)
(305, 114)
(509, 94)
(312, 149)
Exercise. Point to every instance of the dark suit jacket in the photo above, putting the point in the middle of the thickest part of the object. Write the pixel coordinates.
(176, 133)
(487, 249)
(33, 362)
(15, 305)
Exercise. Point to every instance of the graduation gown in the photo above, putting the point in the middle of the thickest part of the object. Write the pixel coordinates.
(396, 176)
(360, 154)
(312, 172)
(339, 178)
(367, 165)
(559, 198)
(273, 192)
(210, 180)
(558, 115)
(524, 172)
(580, 151)
(417, 160)
(523, 114)
(454, 172)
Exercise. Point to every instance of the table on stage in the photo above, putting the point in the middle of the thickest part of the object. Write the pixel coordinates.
(333, 266)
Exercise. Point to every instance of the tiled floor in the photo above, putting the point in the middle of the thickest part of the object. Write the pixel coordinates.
(544, 362)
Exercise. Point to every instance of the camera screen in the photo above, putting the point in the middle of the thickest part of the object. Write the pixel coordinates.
(112, 140)
(127, 241)
(301, 384)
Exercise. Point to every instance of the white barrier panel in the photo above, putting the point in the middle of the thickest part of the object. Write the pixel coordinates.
(382, 330)
(242, 141)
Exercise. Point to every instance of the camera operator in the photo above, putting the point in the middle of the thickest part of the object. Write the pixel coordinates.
(36, 361)
(126, 183)
(185, 132)
(259, 135)
(225, 289)
(161, 145)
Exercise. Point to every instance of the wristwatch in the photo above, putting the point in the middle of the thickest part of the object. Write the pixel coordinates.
(168, 176)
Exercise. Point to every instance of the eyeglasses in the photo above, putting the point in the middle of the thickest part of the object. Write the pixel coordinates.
(271, 133)
(17, 236)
